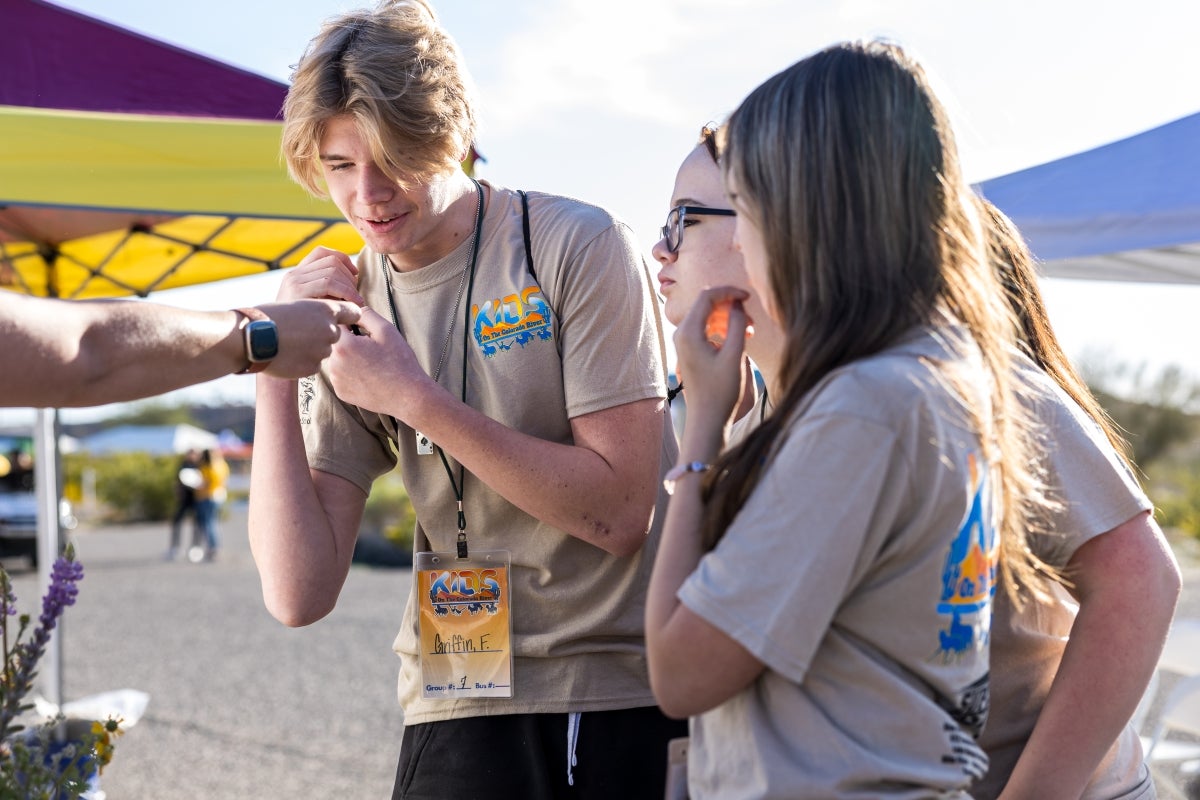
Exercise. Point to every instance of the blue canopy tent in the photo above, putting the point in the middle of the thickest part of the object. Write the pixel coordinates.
(1125, 211)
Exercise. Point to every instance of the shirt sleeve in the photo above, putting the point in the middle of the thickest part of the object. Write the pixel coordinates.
(806, 535)
(341, 439)
(611, 331)
(1094, 488)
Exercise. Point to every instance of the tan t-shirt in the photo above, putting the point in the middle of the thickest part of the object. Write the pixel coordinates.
(860, 572)
(584, 336)
(1097, 493)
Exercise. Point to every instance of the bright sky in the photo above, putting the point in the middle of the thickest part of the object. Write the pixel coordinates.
(601, 100)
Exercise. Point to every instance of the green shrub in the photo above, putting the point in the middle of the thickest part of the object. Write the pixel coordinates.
(140, 487)
(132, 486)
(389, 512)
(1176, 497)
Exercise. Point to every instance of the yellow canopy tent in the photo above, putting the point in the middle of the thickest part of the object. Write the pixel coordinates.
(103, 205)
(96, 204)
(128, 165)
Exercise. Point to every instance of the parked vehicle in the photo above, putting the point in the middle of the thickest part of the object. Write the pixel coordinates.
(18, 500)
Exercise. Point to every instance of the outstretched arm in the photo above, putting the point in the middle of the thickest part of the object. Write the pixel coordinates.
(88, 353)
(1127, 584)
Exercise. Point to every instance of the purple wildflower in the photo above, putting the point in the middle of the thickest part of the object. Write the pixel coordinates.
(18, 676)
(62, 592)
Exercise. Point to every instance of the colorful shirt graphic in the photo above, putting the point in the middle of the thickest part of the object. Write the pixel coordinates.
(969, 576)
(513, 319)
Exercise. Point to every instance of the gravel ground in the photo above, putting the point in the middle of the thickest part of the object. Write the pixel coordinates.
(242, 707)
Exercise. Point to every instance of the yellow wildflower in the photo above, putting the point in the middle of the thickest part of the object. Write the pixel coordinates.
(105, 732)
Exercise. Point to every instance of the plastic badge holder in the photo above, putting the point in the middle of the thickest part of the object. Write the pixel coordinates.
(465, 624)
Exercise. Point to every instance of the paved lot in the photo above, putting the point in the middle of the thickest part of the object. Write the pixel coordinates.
(240, 706)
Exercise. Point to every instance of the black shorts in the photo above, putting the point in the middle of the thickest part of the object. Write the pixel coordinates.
(619, 755)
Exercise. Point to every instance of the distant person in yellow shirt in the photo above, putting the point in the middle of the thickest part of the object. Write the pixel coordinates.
(210, 496)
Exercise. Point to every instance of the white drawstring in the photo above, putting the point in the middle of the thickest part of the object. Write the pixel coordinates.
(572, 738)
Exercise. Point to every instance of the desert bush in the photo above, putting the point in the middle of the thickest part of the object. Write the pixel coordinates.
(389, 512)
(1156, 410)
(1174, 487)
(132, 486)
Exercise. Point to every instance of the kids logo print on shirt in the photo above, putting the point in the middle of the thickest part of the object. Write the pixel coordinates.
(968, 586)
(513, 319)
(969, 576)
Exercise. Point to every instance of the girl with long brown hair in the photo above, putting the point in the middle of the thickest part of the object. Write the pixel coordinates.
(1098, 631)
(821, 601)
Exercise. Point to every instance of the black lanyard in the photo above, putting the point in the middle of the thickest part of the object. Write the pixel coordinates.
(460, 485)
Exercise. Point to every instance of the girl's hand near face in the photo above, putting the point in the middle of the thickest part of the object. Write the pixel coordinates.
(711, 357)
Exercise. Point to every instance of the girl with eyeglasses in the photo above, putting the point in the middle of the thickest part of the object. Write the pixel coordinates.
(696, 251)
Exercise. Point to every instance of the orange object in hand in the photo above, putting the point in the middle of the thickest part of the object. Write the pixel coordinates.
(716, 327)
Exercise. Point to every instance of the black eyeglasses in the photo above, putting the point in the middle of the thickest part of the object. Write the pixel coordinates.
(672, 232)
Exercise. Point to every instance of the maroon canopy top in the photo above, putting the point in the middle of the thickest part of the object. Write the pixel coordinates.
(56, 58)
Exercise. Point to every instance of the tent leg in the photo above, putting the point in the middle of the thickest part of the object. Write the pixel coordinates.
(49, 543)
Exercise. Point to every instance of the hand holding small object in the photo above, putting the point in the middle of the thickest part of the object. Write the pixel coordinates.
(716, 327)
(709, 346)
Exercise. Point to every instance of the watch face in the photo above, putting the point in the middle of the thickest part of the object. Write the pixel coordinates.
(262, 340)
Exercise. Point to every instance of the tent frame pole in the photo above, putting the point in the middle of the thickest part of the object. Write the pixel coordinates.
(49, 540)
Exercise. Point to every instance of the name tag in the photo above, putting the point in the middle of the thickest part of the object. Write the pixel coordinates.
(465, 624)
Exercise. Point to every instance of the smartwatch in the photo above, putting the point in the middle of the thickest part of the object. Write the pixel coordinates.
(260, 337)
